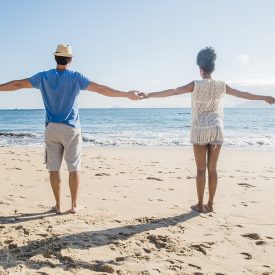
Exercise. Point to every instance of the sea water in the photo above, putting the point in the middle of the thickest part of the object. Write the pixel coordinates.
(141, 127)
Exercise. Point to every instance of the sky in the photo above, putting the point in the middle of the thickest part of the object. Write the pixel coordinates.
(147, 45)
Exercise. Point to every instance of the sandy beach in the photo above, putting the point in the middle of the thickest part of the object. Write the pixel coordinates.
(137, 217)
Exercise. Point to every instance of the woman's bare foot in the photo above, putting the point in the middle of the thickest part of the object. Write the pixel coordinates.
(198, 207)
(73, 210)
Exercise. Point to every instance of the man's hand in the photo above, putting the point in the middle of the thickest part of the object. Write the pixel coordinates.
(269, 99)
(134, 95)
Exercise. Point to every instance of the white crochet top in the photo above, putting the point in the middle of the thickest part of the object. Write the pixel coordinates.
(207, 111)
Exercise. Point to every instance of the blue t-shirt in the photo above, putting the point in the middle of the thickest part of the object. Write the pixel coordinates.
(60, 90)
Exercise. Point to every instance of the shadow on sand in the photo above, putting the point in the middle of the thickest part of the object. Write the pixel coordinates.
(25, 217)
(50, 247)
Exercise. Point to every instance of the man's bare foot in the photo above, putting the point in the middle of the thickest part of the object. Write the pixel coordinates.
(73, 210)
(197, 207)
(55, 210)
(209, 208)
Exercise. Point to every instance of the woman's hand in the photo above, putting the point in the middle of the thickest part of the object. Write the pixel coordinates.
(269, 99)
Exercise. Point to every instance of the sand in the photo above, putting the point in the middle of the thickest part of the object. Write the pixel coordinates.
(137, 217)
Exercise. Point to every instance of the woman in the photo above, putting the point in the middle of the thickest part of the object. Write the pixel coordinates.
(207, 122)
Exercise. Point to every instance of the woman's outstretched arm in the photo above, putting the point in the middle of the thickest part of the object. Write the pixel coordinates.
(178, 91)
(249, 96)
(107, 91)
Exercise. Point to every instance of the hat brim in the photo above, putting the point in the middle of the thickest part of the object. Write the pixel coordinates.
(63, 54)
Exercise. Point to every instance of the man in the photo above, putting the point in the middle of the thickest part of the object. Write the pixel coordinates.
(60, 88)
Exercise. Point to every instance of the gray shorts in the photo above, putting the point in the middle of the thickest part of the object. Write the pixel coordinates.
(62, 140)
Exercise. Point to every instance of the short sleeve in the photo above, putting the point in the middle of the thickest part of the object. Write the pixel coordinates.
(83, 81)
(35, 80)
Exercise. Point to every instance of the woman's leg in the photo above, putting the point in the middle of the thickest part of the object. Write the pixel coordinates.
(213, 153)
(200, 157)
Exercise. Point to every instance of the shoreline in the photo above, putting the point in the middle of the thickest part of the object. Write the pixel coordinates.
(151, 147)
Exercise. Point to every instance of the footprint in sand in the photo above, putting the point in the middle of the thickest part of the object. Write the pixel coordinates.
(153, 178)
(252, 236)
(104, 268)
(200, 248)
(4, 203)
(195, 266)
(260, 242)
(158, 240)
(120, 259)
(175, 267)
(246, 185)
(101, 174)
(247, 256)
(147, 250)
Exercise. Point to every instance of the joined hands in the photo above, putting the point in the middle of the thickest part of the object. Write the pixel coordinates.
(136, 95)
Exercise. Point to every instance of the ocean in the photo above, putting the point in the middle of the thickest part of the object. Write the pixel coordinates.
(141, 127)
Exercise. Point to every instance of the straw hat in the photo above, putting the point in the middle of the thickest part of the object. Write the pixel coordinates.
(63, 50)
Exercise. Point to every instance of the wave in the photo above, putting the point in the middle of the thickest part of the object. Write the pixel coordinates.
(17, 135)
(129, 138)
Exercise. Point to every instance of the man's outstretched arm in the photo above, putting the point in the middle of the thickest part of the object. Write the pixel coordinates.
(15, 85)
(107, 91)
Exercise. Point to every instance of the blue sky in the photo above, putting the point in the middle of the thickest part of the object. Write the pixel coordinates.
(138, 44)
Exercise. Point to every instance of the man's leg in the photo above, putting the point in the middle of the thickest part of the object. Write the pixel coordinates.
(74, 181)
(55, 183)
(53, 159)
(72, 156)
(200, 157)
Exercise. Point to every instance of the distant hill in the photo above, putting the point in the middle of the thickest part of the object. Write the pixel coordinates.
(254, 104)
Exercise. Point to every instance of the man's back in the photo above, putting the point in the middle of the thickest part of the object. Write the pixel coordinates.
(59, 89)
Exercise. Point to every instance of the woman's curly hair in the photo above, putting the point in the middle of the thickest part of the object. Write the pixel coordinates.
(206, 59)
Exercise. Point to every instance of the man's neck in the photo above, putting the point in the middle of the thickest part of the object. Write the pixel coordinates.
(61, 67)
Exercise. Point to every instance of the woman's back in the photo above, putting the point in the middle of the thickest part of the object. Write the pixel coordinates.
(207, 111)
